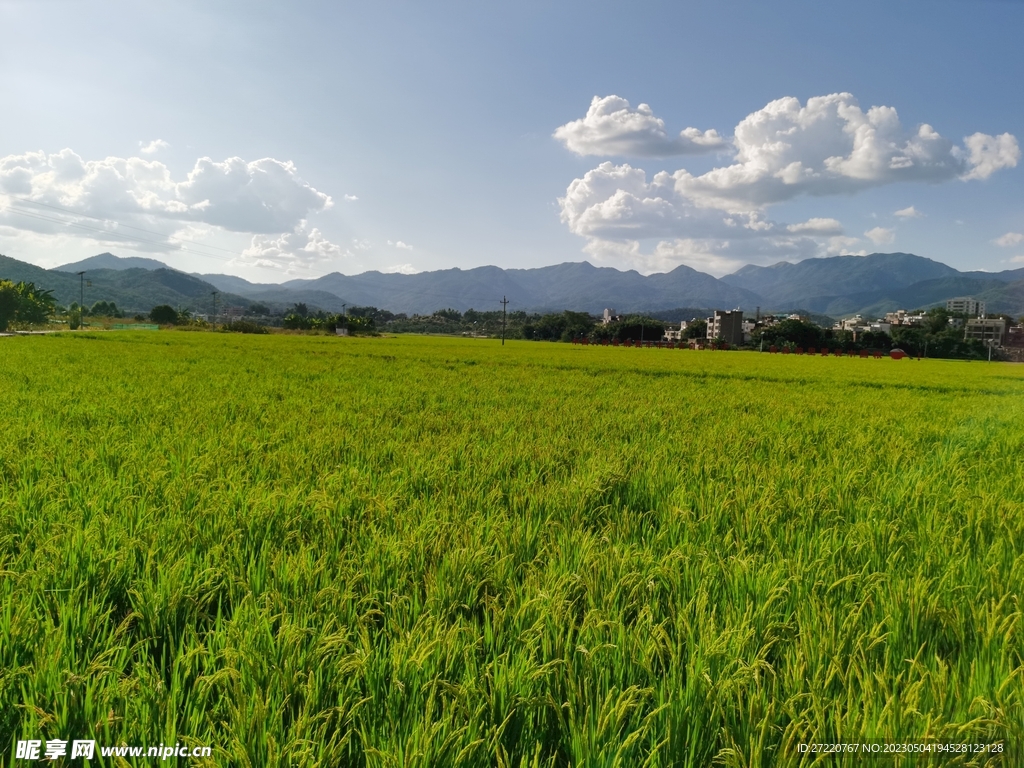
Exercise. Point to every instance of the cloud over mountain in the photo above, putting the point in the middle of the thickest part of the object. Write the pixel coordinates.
(818, 226)
(293, 251)
(880, 235)
(261, 196)
(137, 202)
(611, 127)
(828, 146)
(831, 146)
(1009, 239)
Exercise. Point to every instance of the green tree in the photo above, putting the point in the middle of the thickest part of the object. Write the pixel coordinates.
(564, 326)
(164, 314)
(452, 315)
(293, 321)
(937, 319)
(795, 332)
(9, 303)
(636, 327)
(697, 329)
(24, 304)
(105, 309)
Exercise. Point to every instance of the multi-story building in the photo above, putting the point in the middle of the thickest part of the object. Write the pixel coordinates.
(678, 334)
(902, 317)
(854, 323)
(992, 330)
(895, 318)
(967, 305)
(727, 326)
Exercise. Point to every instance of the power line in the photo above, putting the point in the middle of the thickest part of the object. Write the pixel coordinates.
(98, 218)
(113, 233)
(129, 239)
(120, 236)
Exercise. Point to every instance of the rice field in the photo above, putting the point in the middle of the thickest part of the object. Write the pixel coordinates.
(314, 551)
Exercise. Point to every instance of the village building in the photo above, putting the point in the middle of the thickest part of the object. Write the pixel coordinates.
(727, 326)
(992, 330)
(967, 305)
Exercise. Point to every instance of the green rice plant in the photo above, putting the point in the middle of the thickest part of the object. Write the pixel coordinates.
(429, 551)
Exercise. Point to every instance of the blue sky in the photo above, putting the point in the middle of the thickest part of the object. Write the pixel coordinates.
(286, 140)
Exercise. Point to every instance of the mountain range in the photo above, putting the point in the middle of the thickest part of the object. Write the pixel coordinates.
(834, 286)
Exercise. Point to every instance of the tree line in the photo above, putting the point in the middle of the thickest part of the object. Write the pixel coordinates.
(24, 305)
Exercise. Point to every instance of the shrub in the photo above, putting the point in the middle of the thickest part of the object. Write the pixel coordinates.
(244, 326)
(164, 314)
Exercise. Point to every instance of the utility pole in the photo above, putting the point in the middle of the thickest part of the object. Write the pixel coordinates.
(504, 304)
(81, 300)
(214, 307)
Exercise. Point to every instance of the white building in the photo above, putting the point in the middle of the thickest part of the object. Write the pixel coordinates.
(966, 304)
(855, 323)
(902, 317)
(990, 331)
(609, 317)
(673, 334)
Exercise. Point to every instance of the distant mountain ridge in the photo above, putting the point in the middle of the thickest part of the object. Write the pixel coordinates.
(133, 290)
(578, 286)
(110, 261)
(877, 283)
(832, 286)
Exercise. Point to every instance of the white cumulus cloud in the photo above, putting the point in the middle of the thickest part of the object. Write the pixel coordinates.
(908, 213)
(153, 147)
(400, 244)
(615, 206)
(294, 251)
(402, 269)
(827, 146)
(611, 127)
(1009, 239)
(818, 226)
(831, 146)
(136, 202)
(988, 154)
(261, 196)
(880, 235)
